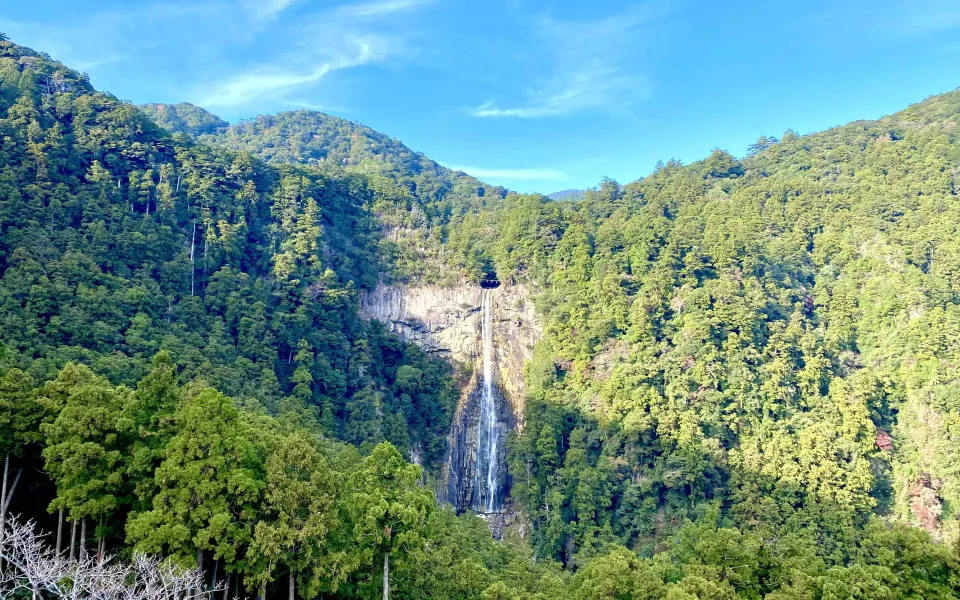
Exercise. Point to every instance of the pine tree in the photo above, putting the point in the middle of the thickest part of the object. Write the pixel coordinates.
(298, 515)
(389, 508)
(207, 484)
(85, 447)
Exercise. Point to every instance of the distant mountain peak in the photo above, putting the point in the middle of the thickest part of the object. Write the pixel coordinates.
(184, 117)
(312, 137)
(567, 195)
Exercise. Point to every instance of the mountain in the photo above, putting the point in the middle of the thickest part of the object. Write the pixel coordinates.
(753, 336)
(143, 278)
(567, 195)
(415, 197)
(744, 384)
(185, 118)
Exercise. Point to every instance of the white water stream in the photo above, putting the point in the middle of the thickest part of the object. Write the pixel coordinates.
(488, 432)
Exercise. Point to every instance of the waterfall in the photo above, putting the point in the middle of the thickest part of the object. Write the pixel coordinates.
(488, 432)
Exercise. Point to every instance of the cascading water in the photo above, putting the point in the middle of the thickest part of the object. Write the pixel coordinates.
(488, 431)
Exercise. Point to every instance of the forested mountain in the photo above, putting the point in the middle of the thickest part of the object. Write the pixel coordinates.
(119, 241)
(746, 385)
(415, 197)
(142, 278)
(567, 195)
(185, 118)
(770, 338)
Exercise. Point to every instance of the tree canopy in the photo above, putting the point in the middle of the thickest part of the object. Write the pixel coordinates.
(746, 384)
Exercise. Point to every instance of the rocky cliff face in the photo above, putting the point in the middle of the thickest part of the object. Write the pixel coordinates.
(447, 321)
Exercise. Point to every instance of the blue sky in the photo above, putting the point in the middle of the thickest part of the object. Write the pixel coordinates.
(537, 96)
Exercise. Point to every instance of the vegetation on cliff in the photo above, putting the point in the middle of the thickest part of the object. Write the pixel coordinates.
(746, 386)
(761, 344)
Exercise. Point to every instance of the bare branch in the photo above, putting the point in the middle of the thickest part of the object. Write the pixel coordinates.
(35, 568)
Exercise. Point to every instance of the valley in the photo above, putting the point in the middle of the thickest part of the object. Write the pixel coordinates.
(308, 362)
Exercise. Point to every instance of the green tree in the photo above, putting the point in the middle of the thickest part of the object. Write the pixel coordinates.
(207, 484)
(151, 415)
(85, 448)
(389, 508)
(298, 515)
(618, 575)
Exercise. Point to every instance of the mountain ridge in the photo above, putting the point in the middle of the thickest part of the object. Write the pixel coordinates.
(570, 194)
(184, 117)
(746, 384)
(312, 137)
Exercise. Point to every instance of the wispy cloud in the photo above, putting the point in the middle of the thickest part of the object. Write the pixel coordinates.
(112, 36)
(518, 174)
(343, 37)
(296, 45)
(589, 67)
(273, 82)
(384, 7)
(488, 109)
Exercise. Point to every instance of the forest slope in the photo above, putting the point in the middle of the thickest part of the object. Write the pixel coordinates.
(775, 327)
(750, 334)
(766, 336)
(415, 198)
(746, 386)
(181, 358)
(119, 241)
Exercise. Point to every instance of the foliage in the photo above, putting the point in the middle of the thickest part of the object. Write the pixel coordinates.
(416, 201)
(774, 327)
(746, 385)
(185, 118)
(118, 241)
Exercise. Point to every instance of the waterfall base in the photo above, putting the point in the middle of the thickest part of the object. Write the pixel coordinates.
(504, 521)
(467, 476)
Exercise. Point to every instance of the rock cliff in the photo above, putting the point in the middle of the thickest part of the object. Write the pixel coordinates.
(447, 321)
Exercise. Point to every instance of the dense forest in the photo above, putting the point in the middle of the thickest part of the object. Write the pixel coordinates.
(746, 385)
(414, 198)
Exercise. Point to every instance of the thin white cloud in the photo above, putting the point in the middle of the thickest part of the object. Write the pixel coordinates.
(594, 66)
(518, 174)
(273, 83)
(375, 9)
(546, 109)
(267, 9)
(343, 37)
(114, 35)
(259, 83)
(297, 51)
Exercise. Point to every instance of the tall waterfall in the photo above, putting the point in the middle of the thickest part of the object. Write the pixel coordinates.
(488, 431)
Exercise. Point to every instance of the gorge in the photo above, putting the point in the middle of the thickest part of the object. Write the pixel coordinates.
(303, 359)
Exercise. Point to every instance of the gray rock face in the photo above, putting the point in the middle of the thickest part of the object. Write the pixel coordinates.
(447, 321)
(462, 484)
